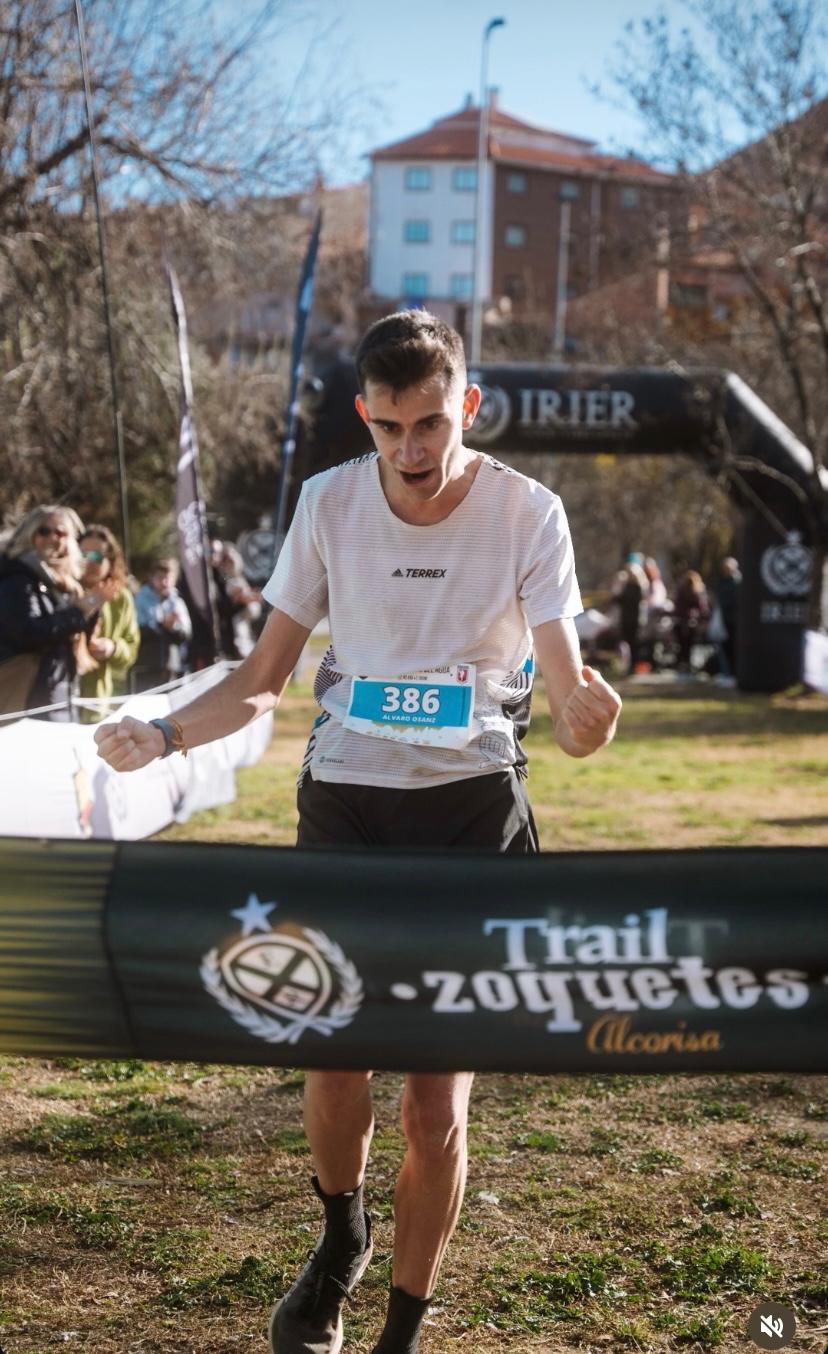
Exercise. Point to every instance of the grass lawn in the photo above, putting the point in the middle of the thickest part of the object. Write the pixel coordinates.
(160, 1208)
(692, 765)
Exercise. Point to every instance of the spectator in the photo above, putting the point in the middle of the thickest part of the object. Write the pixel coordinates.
(115, 637)
(224, 606)
(239, 604)
(44, 613)
(165, 627)
(690, 616)
(234, 604)
(630, 592)
(727, 602)
(657, 609)
(656, 587)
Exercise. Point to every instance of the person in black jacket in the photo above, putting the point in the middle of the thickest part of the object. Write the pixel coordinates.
(727, 598)
(43, 608)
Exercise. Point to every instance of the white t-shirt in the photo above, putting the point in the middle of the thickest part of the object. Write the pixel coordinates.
(405, 599)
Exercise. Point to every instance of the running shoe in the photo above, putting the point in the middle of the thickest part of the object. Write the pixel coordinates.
(308, 1319)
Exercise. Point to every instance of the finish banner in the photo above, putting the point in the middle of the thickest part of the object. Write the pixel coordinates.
(709, 960)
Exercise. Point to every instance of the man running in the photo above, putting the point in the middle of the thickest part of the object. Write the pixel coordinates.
(445, 577)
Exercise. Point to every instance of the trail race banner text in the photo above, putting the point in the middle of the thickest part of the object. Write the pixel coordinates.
(709, 960)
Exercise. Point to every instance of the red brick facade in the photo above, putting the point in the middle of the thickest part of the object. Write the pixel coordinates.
(612, 223)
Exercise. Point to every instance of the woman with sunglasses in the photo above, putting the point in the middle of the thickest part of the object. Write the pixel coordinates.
(44, 613)
(115, 638)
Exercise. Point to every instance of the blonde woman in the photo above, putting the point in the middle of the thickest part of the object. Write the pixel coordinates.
(115, 639)
(690, 614)
(44, 613)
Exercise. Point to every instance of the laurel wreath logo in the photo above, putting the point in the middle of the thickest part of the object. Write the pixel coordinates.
(276, 1031)
(493, 415)
(787, 568)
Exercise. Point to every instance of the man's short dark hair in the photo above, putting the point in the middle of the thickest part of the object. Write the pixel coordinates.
(408, 348)
(163, 564)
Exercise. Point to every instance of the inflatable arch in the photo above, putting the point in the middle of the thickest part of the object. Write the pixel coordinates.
(712, 415)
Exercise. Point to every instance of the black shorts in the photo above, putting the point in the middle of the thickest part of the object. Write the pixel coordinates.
(487, 813)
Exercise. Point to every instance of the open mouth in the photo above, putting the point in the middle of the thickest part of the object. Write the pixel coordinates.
(415, 476)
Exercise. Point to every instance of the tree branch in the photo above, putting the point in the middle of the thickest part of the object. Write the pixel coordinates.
(12, 187)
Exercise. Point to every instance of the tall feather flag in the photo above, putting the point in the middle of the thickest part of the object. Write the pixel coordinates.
(190, 515)
(304, 298)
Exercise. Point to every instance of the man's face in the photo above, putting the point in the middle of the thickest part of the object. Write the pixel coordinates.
(419, 434)
(162, 581)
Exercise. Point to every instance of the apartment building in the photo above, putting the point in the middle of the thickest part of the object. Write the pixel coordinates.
(559, 219)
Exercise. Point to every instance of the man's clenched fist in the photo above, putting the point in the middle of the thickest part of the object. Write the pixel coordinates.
(591, 710)
(129, 744)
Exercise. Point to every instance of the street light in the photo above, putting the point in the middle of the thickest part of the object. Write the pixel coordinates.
(482, 149)
(562, 281)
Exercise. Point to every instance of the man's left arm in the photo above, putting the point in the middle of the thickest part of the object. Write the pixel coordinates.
(583, 706)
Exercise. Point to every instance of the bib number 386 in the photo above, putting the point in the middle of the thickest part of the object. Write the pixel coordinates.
(410, 700)
(434, 708)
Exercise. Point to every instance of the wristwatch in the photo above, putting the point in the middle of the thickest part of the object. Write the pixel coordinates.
(173, 736)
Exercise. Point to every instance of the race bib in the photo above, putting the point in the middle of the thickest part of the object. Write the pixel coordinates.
(431, 708)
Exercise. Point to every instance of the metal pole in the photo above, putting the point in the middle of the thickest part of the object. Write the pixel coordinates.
(563, 280)
(479, 204)
(113, 378)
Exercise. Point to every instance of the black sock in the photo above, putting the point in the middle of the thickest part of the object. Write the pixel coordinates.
(345, 1230)
(401, 1333)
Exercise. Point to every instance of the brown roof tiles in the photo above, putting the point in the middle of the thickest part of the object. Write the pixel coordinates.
(455, 138)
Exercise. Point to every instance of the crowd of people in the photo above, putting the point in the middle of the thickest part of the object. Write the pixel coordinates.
(651, 627)
(77, 631)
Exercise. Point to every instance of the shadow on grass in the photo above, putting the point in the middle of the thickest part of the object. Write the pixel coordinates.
(796, 822)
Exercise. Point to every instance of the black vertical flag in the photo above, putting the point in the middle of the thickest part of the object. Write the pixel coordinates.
(190, 517)
(304, 298)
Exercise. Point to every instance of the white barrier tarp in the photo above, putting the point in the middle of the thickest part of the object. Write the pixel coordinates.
(54, 784)
(815, 661)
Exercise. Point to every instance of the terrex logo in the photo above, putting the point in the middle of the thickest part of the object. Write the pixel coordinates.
(420, 573)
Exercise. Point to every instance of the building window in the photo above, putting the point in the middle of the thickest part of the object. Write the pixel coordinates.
(461, 286)
(417, 232)
(415, 285)
(417, 179)
(515, 237)
(514, 287)
(464, 180)
(515, 183)
(568, 191)
(630, 197)
(462, 232)
(688, 295)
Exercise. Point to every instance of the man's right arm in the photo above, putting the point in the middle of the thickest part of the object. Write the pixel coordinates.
(249, 691)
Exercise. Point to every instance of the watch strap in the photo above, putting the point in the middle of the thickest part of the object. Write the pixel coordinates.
(173, 736)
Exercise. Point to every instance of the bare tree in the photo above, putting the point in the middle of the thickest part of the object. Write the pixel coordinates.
(736, 103)
(176, 108)
(193, 150)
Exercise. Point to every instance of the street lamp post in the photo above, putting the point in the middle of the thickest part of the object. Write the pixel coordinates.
(482, 156)
(562, 281)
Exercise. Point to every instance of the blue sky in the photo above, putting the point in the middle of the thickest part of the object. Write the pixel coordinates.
(400, 66)
(414, 62)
